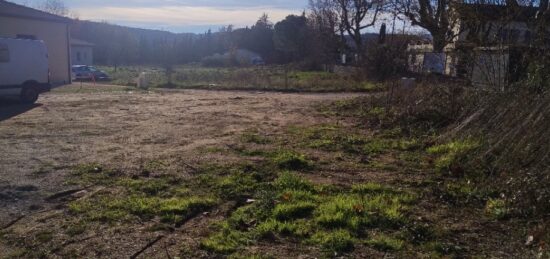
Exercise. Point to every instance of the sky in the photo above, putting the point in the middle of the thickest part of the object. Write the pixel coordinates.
(181, 15)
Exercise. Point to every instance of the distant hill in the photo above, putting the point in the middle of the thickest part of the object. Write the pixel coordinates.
(115, 44)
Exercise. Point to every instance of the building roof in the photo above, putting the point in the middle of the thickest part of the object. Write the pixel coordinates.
(19, 11)
(77, 42)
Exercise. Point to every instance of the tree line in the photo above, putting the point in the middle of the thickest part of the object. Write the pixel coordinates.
(327, 29)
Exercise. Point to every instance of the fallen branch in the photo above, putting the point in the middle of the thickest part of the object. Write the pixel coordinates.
(63, 194)
(11, 223)
(67, 193)
(150, 244)
(167, 252)
(70, 242)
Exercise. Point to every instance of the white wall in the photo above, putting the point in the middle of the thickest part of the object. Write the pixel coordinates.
(81, 55)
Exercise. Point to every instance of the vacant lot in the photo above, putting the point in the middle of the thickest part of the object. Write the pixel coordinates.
(113, 172)
(268, 78)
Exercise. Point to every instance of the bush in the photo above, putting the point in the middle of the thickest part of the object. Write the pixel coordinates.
(383, 61)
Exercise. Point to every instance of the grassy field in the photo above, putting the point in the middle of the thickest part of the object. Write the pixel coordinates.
(255, 78)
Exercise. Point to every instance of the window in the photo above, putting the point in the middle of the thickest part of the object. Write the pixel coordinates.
(78, 56)
(4, 53)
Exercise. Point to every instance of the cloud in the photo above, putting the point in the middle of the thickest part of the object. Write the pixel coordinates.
(183, 15)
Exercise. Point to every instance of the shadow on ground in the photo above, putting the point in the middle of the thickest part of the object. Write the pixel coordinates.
(10, 109)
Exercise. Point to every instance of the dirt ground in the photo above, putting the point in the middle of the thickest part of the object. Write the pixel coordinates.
(41, 143)
(124, 129)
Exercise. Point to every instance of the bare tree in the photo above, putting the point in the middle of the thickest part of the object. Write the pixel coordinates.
(358, 15)
(325, 28)
(56, 7)
(542, 19)
(433, 15)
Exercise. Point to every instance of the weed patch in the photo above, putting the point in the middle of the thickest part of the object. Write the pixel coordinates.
(330, 218)
(451, 153)
(497, 209)
(109, 209)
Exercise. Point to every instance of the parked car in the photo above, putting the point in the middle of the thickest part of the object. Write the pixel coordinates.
(24, 71)
(88, 73)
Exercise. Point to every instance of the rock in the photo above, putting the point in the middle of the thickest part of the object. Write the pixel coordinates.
(530, 240)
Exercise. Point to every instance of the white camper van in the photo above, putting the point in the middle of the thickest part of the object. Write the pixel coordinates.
(24, 72)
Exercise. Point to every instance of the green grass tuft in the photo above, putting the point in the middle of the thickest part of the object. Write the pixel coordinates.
(290, 160)
(226, 241)
(370, 188)
(290, 181)
(295, 210)
(106, 208)
(342, 211)
(237, 184)
(451, 153)
(497, 209)
(177, 210)
(272, 227)
(386, 243)
(338, 241)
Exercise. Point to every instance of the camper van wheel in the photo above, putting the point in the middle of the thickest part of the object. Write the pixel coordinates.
(29, 95)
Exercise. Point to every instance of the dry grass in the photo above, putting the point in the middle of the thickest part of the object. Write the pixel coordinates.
(265, 78)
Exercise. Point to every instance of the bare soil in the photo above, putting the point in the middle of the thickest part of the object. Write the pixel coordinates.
(124, 129)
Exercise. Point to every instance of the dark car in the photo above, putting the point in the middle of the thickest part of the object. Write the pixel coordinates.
(88, 73)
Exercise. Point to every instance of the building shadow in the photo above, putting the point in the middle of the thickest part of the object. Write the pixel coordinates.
(10, 109)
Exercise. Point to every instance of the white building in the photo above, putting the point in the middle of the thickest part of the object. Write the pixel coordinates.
(82, 52)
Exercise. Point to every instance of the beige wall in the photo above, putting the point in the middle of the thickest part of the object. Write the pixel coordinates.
(54, 35)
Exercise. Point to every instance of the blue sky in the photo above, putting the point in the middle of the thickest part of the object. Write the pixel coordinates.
(181, 15)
